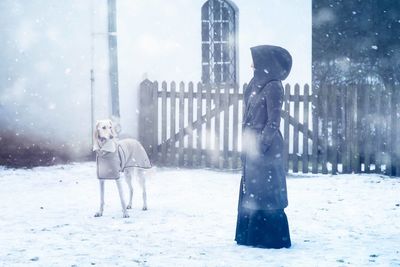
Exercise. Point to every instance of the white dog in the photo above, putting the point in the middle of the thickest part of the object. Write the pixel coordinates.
(114, 156)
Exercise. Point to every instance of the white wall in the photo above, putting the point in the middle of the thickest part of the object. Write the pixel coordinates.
(161, 40)
(44, 72)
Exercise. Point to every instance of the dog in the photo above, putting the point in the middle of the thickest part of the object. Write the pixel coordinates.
(114, 156)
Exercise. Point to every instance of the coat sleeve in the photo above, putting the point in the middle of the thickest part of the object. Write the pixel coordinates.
(274, 100)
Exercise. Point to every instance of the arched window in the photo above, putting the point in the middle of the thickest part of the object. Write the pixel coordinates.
(218, 39)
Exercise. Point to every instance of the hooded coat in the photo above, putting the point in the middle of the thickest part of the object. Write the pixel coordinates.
(263, 184)
(115, 156)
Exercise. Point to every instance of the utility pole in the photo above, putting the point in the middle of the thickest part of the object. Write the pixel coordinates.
(113, 57)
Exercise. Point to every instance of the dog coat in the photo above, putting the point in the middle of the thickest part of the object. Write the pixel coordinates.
(115, 156)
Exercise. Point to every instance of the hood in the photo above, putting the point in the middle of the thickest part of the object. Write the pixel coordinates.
(272, 62)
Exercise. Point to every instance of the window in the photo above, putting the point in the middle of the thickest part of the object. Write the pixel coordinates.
(218, 40)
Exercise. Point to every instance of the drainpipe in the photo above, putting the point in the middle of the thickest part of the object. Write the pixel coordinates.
(113, 58)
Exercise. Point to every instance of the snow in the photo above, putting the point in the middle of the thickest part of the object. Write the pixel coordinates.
(46, 219)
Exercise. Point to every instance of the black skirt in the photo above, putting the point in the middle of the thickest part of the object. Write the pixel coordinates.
(261, 228)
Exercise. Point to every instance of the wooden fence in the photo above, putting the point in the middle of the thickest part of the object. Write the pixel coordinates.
(338, 129)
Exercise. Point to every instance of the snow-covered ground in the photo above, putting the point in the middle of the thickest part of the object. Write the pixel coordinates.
(46, 219)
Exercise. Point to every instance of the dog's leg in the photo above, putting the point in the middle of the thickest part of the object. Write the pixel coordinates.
(100, 212)
(142, 182)
(121, 196)
(128, 179)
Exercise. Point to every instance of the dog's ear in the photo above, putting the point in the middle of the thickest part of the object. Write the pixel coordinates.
(113, 130)
(96, 145)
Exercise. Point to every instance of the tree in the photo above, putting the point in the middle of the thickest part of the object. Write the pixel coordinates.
(355, 40)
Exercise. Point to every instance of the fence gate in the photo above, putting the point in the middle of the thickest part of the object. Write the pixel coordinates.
(338, 129)
(191, 125)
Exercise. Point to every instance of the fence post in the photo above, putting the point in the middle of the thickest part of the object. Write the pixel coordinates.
(361, 126)
(146, 116)
(199, 130)
(164, 123)
(181, 125)
(190, 124)
(394, 132)
(215, 156)
(243, 89)
(286, 126)
(305, 128)
(296, 129)
(348, 126)
(388, 144)
(172, 144)
(355, 153)
(335, 107)
(367, 130)
(208, 126)
(227, 159)
(155, 122)
(315, 131)
(378, 132)
(235, 127)
(324, 133)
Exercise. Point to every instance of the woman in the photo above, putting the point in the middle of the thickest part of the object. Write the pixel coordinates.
(261, 220)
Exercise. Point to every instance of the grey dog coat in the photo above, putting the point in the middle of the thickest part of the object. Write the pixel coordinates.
(115, 156)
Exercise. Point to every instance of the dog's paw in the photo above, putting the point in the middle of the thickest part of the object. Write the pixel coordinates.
(98, 214)
(129, 207)
(144, 208)
(125, 215)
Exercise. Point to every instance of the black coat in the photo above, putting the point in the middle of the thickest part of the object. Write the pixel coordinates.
(264, 178)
